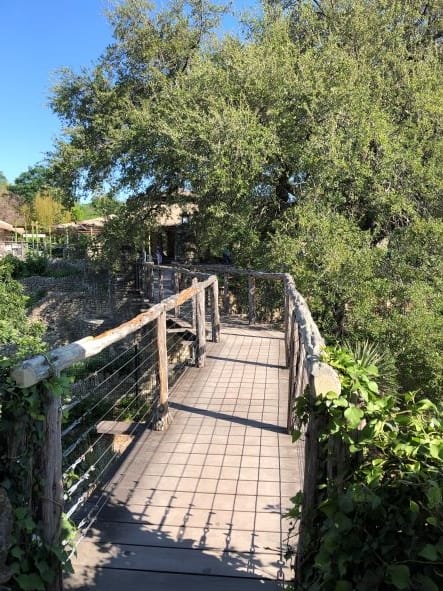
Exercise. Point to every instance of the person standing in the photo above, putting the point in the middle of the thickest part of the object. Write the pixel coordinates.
(159, 255)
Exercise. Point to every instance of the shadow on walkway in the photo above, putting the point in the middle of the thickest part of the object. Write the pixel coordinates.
(231, 418)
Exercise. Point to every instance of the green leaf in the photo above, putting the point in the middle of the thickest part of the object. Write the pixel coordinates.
(399, 575)
(17, 552)
(429, 552)
(343, 586)
(373, 387)
(353, 416)
(434, 449)
(30, 582)
(296, 434)
(426, 584)
(413, 506)
(341, 402)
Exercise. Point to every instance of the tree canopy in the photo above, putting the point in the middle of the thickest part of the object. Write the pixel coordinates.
(316, 139)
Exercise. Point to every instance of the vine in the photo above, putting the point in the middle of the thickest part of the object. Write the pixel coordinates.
(30, 560)
(378, 520)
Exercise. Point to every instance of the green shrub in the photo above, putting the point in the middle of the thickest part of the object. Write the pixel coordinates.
(378, 521)
(36, 264)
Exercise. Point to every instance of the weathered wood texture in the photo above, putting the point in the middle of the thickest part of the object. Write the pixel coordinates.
(200, 352)
(40, 367)
(162, 418)
(52, 493)
(251, 300)
(194, 303)
(226, 294)
(215, 313)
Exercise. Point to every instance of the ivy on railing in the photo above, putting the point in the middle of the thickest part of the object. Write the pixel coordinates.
(32, 562)
(378, 518)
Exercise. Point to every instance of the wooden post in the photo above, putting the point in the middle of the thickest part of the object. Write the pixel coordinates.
(52, 493)
(288, 315)
(226, 294)
(251, 299)
(215, 313)
(194, 304)
(161, 290)
(177, 290)
(162, 419)
(200, 353)
(322, 379)
(151, 283)
(293, 355)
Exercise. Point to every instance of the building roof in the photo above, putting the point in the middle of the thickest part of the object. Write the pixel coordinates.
(9, 228)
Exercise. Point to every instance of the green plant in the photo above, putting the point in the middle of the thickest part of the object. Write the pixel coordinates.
(368, 354)
(31, 560)
(36, 264)
(377, 523)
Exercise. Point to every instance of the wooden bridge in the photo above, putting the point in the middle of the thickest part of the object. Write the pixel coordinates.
(200, 493)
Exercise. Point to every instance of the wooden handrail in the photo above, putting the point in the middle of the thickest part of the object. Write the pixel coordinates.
(40, 367)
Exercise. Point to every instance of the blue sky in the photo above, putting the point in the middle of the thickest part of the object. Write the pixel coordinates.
(36, 38)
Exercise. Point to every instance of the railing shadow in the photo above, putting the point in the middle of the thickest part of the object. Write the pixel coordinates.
(141, 545)
(226, 417)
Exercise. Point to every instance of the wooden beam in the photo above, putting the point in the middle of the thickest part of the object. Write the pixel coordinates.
(40, 367)
(150, 293)
(194, 302)
(215, 313)
(52, 490)
(251, 299)
(200, 353)
(161, 288)
(176, 289)
(162, 418)
(226, 294)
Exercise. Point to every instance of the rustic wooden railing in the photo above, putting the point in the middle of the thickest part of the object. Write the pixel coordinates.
(57, 483)
(303, 345)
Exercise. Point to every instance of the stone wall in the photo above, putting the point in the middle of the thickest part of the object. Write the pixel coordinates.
(79, 305)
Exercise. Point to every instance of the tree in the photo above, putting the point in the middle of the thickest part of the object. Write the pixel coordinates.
(320, 132)
(48, 211)
(37, 178)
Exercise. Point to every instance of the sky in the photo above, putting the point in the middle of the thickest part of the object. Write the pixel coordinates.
(38, 37)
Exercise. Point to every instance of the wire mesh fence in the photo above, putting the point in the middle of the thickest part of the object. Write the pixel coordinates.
(114, 394)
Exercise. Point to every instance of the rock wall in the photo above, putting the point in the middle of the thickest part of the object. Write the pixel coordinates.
(76, 306)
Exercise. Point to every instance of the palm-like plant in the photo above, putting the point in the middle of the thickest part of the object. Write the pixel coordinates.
(367, 354)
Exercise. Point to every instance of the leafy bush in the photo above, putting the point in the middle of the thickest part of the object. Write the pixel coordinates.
(378, 520)
(11, 266)
(389, 292)
(36, 264)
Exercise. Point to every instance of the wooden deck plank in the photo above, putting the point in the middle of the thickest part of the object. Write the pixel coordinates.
(202, 503)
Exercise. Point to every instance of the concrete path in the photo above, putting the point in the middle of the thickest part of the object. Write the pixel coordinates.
(200, 506)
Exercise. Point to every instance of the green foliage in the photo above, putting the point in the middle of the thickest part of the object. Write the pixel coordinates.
(37, 179)
(22, 411)
(34, 264)
(377, 522)
(316, 141)
(22, 414)
(18, 336)
(390, 292)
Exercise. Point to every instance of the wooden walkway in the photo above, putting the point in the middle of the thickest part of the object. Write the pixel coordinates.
(200, 506)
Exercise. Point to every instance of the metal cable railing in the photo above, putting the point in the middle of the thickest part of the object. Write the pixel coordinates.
(121, 380)
(122, 376)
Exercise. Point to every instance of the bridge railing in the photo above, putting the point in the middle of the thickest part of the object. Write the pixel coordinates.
(121, 381)
(303, 348)
(124, 373)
